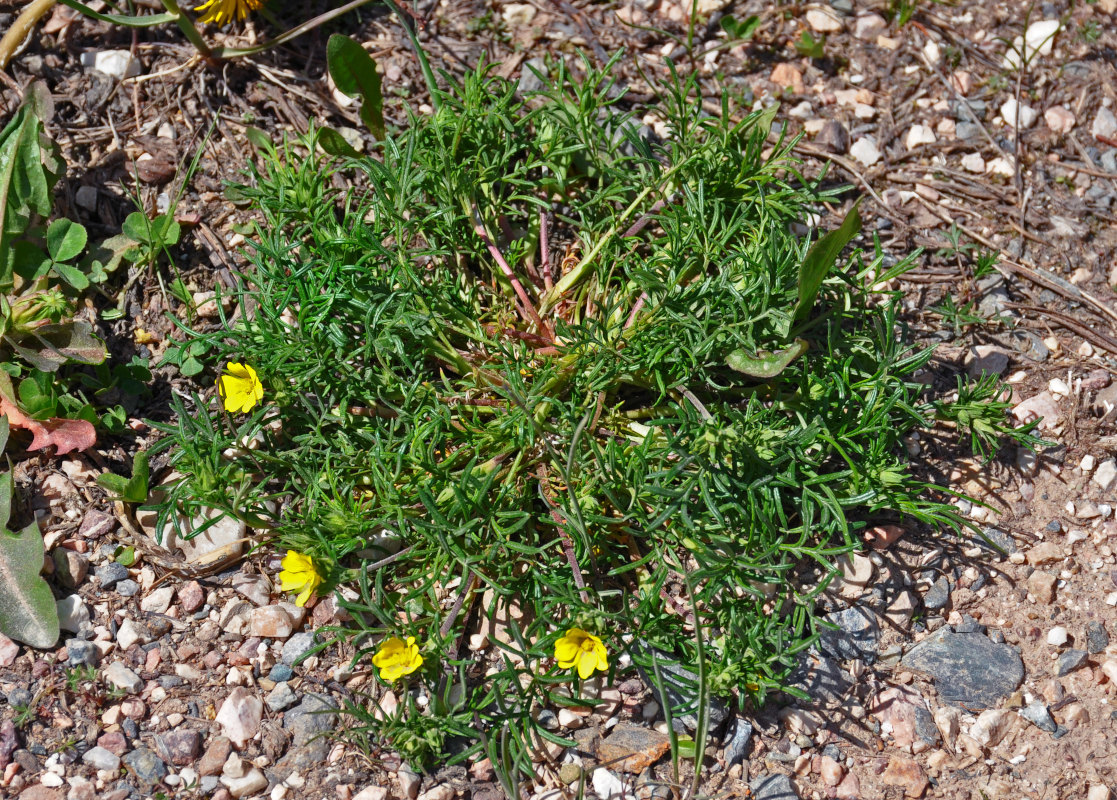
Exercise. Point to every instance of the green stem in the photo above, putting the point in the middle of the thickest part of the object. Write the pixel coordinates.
(424, 63)
(186, 25)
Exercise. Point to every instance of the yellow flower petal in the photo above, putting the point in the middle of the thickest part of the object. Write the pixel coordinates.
(586, 665)
(239, 388)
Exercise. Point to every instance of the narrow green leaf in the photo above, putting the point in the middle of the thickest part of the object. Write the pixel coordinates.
(354, 73)
(4, 430)
(821, 259)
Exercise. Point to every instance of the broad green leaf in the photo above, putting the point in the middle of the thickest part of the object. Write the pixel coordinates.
(821, 259)
(3, 432)
(28, 612)
(137, 226)
(72, 275)
(740, 29)
(125, 556)
(257, 138)
(131, 490)
(354, 73)
(765, 366)
(51, 346)
(335, 144)
(65, 239)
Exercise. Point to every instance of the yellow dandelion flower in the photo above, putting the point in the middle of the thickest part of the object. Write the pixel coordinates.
(299, 575)
(397, 658)
(583, 651)
(222, 11)
(240, 389)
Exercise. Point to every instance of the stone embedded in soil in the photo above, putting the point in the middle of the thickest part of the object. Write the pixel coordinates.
(1042, 586)
(1044, 553)
(1069, 661)
(215, 756)
(81, 652)
(226, 534)
(1096, 637)
(312, 717)
(9, 651)
(122, 677)
(253, 782)
(297, 645)
(918, 135)
(158, 601)
(1105, 475)
(1059, 119)
(70, 567)
(905, 773)
(822, 20)
(787, 76)
(849, 788)
(1057, 636)
(240, 715)
(73, 614)
(191, 596)
(969, 669)
(830, 771)
(992, 726)
(865, 151)
(110, 574)
(833, 137)
(737, 744)
(773, 787)
(281, 697)
(146, 766)
(271, 622)
(857, 635)
(100, 758)
(986, 359)
(996, 541)
(1104, 124)
(41, 792)
(867, 27)
(1037, 714)
(938, 596)
(896, 707)
(632, 748)
(183, 746)
(855, 572)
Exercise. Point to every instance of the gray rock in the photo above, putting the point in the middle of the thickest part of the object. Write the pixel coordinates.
(315, 715)
(280, 673)
(997, 541)
(183, 745)
(938, 596)
(773, 787)
(857, 635)
(967, 131)
(123, 678)
(100, 758)
(833, 137)
(968, 668)
(1069, 661)
(1096, 637)
(531, 82)
(110, 574)
(740, 732)
(281, 697)
(299, 644)
(1109, 160)
(146, 765)
(127, 588)
(79, 651)
(1037, 714)
(680, 686)
(925, 727)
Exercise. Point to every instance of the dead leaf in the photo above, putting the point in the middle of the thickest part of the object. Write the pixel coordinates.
(67, 435)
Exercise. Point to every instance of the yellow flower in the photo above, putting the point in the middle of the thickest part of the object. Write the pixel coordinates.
(582, 650)
(299, 574)
(239, 387)
(397, 658)
(222, 11)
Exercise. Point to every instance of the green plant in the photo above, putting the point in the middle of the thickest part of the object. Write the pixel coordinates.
(130, 490)
(810, 47)
(542, 373)
(1090, 31)
(27, 610)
